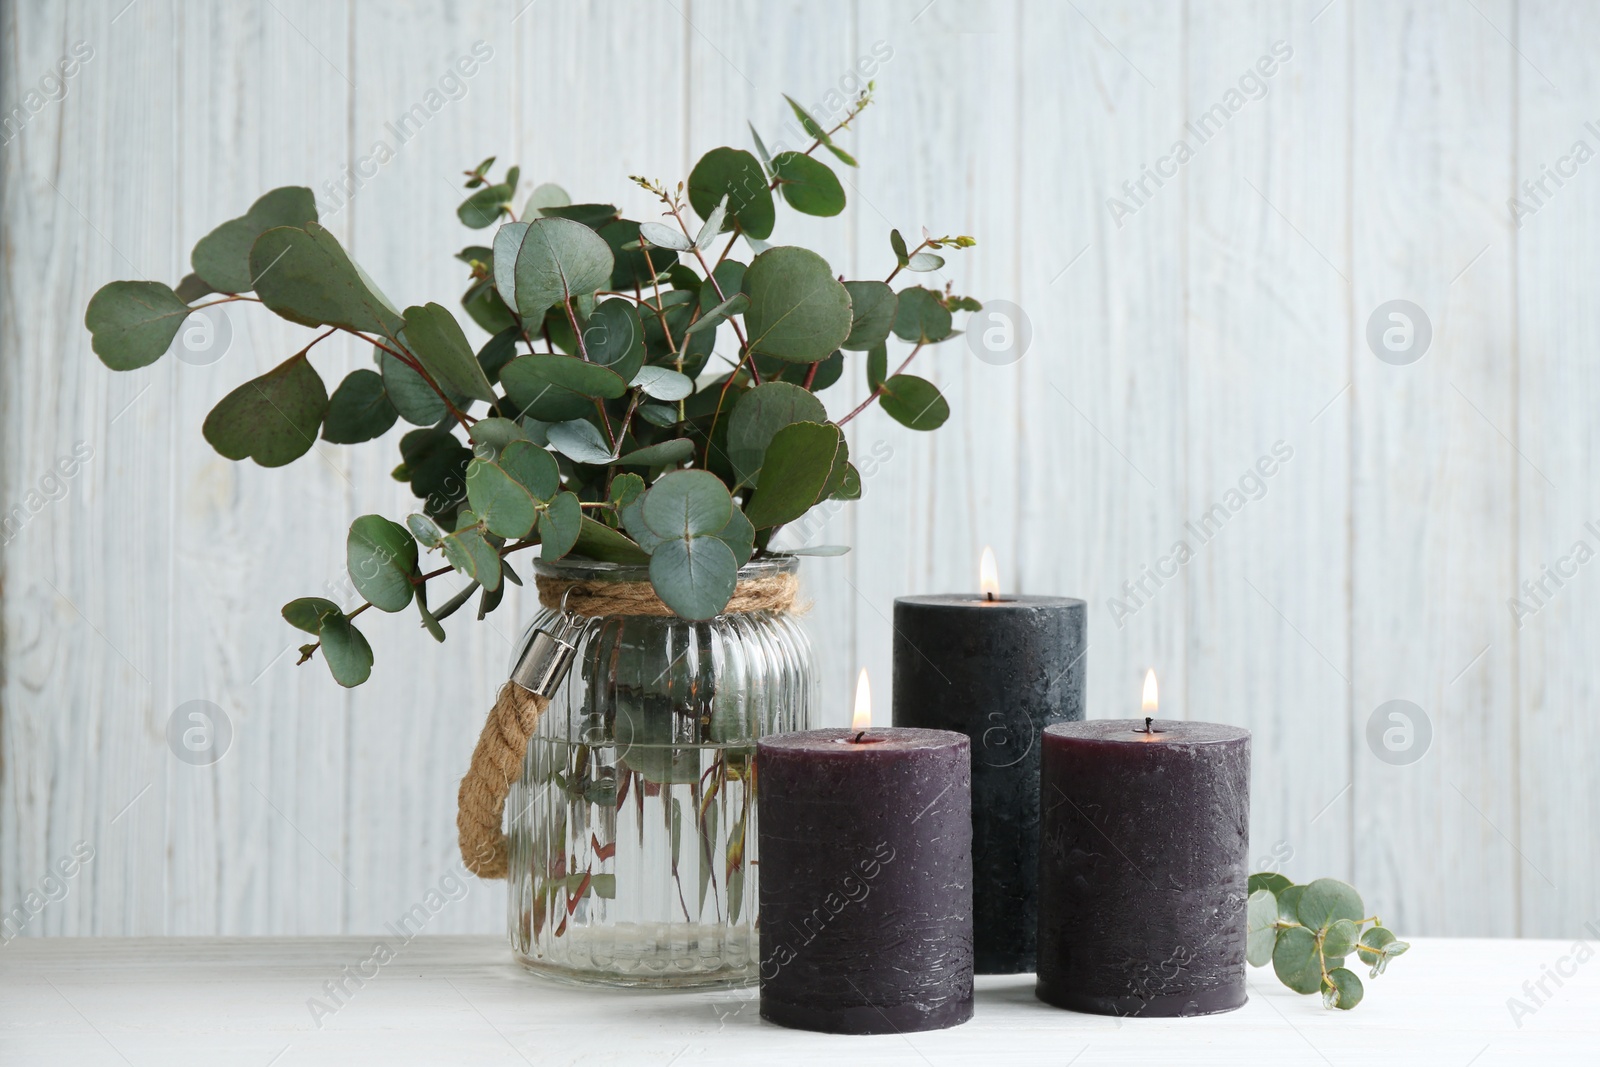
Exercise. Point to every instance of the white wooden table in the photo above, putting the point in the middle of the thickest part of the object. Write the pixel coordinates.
(442, 1000)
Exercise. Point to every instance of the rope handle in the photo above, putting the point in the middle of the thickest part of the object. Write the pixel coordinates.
(496, 763)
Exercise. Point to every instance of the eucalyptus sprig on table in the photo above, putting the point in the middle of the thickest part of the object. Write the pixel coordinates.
(603, 433)
(1307, 931)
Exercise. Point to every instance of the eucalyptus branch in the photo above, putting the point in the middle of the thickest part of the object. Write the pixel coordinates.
(876, 393)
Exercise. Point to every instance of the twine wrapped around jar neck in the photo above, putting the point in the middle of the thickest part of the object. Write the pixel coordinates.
(497, 759)
(596, 597)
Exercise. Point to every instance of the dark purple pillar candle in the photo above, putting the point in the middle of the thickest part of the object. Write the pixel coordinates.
(1142, 867)
(866, 880)
(999, 671)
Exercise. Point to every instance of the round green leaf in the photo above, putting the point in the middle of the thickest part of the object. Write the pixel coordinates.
(507, 243)
(468, 552)
(359, 409)
(306, 277)
(1261, 924)
(558, 259)
(409, 392)
(633, 268)
(1295, 960)
(599, 541)
(435, 463)
(272, 419)
(132, 323)
(663, 384)
(1340, 937)
(192, 288)
(694, 576)
(307, 613)
(436, 339)
(532, 467)
(1342, 989)
(558, 388)
(794, 472)
(1270, 881)
(491, 436)
(1289, 903)
(661, 454)
(502, 502)
(222, 257)
(809, 185)
(798, 311)
(684, 504)
(740, 536)
(757, 417)
(427, 533)
(921, 317)
(346, 650)
(381, 557)
(580, 441)
(560, 526)
(914, 402)
(735, 174)
(614, 338)
(1326, 900)
(872, 314)
(593, 216)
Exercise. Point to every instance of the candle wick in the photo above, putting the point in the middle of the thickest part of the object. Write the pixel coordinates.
(1147, 721)
(857, 739)
(989, 596)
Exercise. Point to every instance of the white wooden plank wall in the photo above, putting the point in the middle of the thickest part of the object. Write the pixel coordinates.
(1176, 344)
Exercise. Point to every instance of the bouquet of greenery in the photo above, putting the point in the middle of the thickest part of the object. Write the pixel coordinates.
(602, 429)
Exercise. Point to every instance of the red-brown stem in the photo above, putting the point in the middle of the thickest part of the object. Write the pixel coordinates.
(879, 390)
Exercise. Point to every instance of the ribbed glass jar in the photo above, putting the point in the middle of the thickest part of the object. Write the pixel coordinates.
(632, 830)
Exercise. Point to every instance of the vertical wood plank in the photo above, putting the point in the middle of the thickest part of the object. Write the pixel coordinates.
(736, 79)
(89, 194)
(940, 152)
(1435, 474)
(1554, 605)
(254, 841)
(1101, 463)
(1267, 515)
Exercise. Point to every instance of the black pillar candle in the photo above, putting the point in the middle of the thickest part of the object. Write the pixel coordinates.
(1142, 867)
(998, 669)
(866, 880)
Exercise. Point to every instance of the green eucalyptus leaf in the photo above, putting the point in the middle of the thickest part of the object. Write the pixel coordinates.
(497, 351)
(1295, 960)
(757, 417)
(713, 226)
(507, 244)
(425, 530)
(558, 388)
(192, 288)
(594, 216)
(734, 305)
(663, 384)
(545, 195)
(684, 504)
(740, 536)
(665, 237)
(735, 174)
(600, 542)
(914, 402)
(1261, 919)
(872, 313)
(484, 306)
(133, 323)
(1340, 937)
(634, 269)
(381, 557)
(1289, 903)
(484, 207)
(818, 550)
(877, 367)
(694, 576)
(435, 465)
(557, 260)
(923, 262)
(346, 651)
(848, 487)
(1326, 900)
(560, 526)
(898, 245)
(272, 419)
(580, 441)
(490, 436)
(921, 317)
(409, 392)
(1270, 881)
(761, 148)
(468, 552)
(625, 489)
(1341, 990)
(307, 613)
(661, 454)
(841, 155)
(798, 311)
(662, 415)
(614, 338)
(306, 277)
(533, 468)
(798, 463)
(222, 257)
(809, 185)
(504, 504)
(359, 409)
(439, 344)
(812, 127)
(430, 621)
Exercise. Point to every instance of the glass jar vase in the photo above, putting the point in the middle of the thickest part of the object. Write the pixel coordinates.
(632, 829)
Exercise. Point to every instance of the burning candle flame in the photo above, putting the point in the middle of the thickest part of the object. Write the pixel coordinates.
(863, 716)
(1151, 699)
(988, 575)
